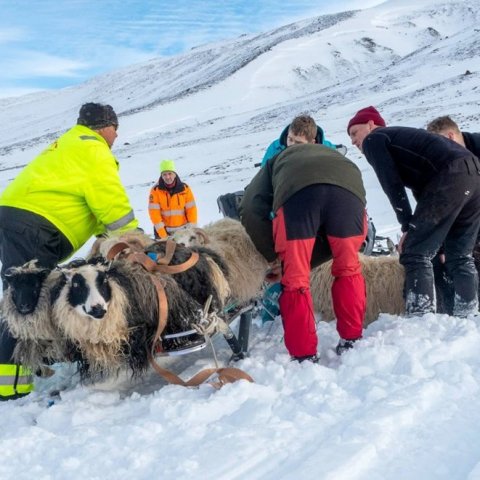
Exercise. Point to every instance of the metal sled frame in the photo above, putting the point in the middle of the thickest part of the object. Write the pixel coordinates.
(237, 343)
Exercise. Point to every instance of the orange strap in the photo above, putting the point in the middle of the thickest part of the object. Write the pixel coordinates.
(170, 247)
(162, 308)
(225, 375)
(181, 267)
(162, 263)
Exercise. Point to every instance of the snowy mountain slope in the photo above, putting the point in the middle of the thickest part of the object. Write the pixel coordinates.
(405, 403)
(310, 55)
(407, 58)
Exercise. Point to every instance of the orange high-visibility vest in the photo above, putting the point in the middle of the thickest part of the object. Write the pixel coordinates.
(171, 209)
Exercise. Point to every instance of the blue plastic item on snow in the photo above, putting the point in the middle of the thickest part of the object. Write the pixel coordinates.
(270, 307)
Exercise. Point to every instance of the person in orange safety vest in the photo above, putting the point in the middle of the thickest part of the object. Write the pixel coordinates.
(171, 202)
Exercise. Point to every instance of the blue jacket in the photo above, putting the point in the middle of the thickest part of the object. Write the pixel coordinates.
(281, 144)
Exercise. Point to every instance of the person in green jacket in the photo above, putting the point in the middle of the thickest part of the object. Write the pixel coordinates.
(68, 193)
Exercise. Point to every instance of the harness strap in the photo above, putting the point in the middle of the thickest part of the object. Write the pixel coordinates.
(170, 247)
(181, 267)
(225, 375)
(161, 265)
(162, 309)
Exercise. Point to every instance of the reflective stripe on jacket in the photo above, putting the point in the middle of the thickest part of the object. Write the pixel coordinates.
(15, 379)
(171, 210)
(74, 184)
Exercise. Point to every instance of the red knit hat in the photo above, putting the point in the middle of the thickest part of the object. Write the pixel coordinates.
(365, 115)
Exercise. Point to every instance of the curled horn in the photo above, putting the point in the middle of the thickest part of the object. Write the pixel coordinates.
(202, 235)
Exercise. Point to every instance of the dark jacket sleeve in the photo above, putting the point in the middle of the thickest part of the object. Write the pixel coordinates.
(375, 148)
(255, 212)
(472, 142)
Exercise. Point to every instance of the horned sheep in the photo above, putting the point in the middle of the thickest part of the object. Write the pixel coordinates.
(229, 239)
(384, 279)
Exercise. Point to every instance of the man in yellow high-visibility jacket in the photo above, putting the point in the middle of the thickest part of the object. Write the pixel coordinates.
(68, 193)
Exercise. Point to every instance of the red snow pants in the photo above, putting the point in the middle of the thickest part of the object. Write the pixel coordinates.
(334, 212)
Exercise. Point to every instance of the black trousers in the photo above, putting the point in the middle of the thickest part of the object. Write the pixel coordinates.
(448, 213)
(443, 287)
(25, 236)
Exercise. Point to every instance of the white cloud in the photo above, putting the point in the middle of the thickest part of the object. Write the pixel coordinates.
(37, 64)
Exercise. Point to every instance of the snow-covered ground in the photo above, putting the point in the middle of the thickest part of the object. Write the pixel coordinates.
(405, 403)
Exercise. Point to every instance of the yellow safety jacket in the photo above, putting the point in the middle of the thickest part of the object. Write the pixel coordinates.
(75, 185)
(15, 380)
(171, 209)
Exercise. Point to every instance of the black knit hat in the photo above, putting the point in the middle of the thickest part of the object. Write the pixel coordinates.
(96, 116)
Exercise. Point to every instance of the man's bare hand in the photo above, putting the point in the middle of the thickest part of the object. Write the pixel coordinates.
(274, 272)
(401, 242)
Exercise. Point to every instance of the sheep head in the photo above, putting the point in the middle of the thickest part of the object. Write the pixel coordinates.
(25, 284)
(191, 237)
(89, 291)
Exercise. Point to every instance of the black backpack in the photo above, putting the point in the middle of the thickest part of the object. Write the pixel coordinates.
(228, 204)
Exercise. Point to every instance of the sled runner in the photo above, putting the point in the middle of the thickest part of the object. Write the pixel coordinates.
(192, 341)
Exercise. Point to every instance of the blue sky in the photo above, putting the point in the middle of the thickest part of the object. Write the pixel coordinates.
(49, 44)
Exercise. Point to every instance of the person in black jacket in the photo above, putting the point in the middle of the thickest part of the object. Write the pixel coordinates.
(444, 178)
(447, 127)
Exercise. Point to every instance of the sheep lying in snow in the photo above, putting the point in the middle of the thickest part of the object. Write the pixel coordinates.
(111, 314)
(227, 237)
(384, 278)
(26, 308)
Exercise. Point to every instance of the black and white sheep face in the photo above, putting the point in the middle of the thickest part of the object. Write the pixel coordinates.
(89, 292)
(25, 284)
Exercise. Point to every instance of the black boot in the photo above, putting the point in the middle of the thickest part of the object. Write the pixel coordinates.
(309, 358)
(344, 345)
